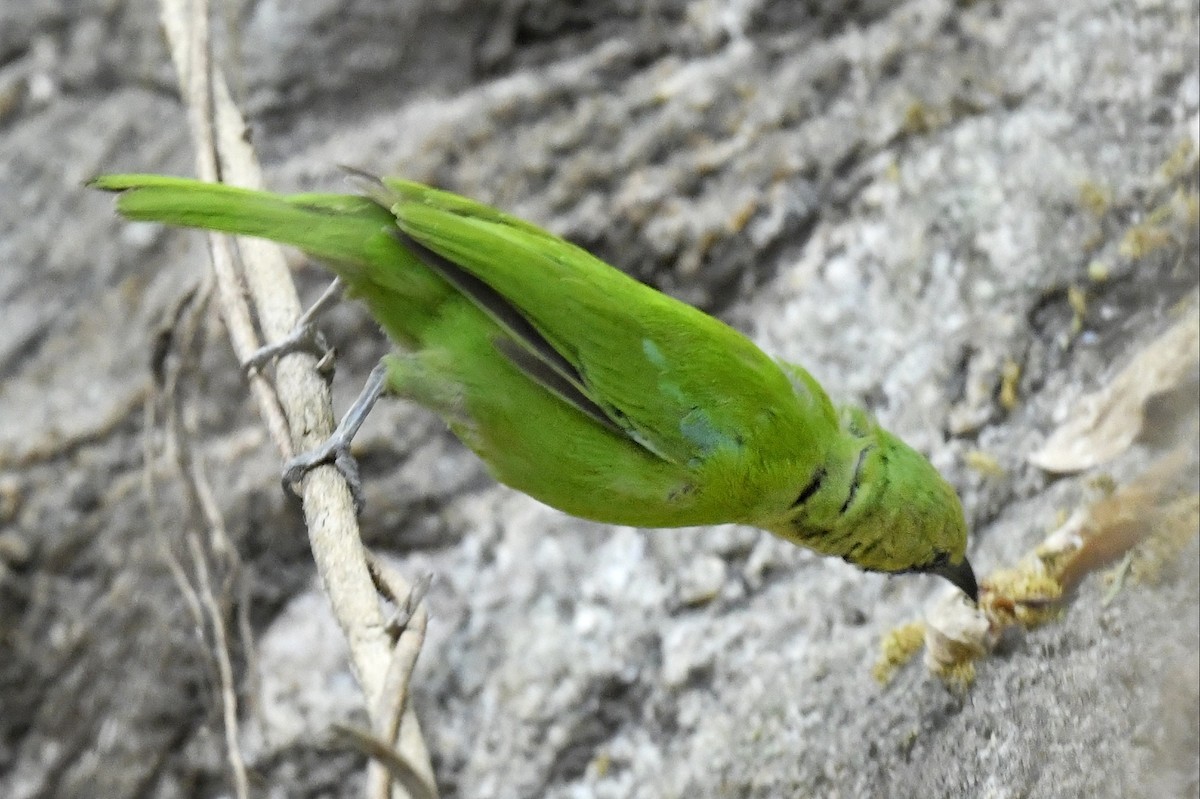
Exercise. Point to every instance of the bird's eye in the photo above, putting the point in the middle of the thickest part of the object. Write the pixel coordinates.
(856, 422)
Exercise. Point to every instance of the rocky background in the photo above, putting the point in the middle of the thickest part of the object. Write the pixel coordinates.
(910, 198)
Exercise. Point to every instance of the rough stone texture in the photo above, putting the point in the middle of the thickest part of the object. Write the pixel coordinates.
(893, 193)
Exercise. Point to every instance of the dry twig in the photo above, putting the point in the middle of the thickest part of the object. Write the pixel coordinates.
(182, 337)
(298, 412)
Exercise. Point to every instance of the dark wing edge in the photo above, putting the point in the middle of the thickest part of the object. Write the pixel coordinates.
(526, 348)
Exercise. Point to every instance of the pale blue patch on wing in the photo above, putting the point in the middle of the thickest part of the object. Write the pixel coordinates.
(695, 424)
(654, 354)
(656, 358)
(698, 429)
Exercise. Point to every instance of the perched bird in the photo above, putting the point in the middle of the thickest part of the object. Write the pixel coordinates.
(588, 390)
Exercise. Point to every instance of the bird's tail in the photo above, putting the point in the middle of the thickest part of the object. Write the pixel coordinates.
(350, 233)
(332, 227)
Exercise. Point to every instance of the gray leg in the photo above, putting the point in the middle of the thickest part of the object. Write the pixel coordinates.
(304, 335)
(336, 448)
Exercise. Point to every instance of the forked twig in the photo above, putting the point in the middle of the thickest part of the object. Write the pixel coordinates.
(197, 590)
(300, 405)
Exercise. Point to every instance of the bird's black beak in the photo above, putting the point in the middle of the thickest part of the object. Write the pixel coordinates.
(962, 575)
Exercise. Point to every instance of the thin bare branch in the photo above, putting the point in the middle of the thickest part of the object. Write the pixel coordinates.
(392, 763)
(299, 415)
(199, 595)
(409, 625)
(229, 707)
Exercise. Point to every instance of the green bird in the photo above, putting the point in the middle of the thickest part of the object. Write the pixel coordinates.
(588, 390)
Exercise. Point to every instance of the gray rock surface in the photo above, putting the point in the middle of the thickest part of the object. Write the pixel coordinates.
(895, 194)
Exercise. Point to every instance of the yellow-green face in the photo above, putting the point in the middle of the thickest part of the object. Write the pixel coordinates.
(914, 520)
(883, 507)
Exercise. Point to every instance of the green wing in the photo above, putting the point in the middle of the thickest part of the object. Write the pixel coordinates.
(677, 381)
(674, 380)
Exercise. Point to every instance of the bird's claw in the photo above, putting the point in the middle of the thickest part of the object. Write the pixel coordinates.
(304, 337)
(335, 451)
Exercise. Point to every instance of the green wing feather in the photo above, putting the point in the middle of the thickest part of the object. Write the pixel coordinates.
(585, 388)
(679, 382)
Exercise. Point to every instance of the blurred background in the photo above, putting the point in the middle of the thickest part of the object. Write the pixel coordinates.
(965, 216)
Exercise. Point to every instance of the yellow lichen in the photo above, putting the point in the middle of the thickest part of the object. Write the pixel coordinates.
(1077, 299)
(1191, 207)
(1010, 381)
(741, 216)
(1025, 596)
(1098, 271)
(1103, 483)
(957, 675)
(1096, 199)
(982, 462)
(918, 119)
(1143, 239)
(1181, 163)
(897, 648)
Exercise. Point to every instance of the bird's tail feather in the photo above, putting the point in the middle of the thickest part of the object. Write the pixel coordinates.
(350, 233)
(338, 228)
